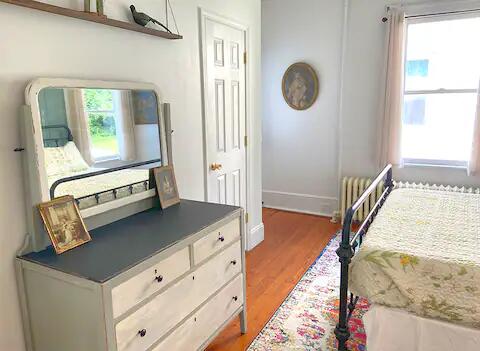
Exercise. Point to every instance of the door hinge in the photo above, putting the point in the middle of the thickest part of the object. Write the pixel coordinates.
(245, 141)
(246, 217)
(245, 57)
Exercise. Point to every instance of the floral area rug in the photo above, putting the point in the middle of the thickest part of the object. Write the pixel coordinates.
(307, 318)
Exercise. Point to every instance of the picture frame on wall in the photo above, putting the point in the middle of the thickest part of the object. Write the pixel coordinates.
(166, 186)
(300, 86)
(63, 223)
(145, 107)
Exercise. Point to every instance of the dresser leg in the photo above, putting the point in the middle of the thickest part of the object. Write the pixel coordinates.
(243, 322)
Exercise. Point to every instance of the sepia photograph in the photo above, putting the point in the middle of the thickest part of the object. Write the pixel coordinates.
(63, 223)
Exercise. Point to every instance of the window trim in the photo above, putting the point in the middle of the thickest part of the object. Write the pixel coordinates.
(412, 19)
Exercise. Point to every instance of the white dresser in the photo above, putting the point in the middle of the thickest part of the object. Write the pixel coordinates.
(157, 280)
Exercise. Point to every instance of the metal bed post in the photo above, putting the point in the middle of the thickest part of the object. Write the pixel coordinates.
(347, 250)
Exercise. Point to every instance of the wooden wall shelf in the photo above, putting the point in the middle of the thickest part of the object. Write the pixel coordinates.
(91, 17)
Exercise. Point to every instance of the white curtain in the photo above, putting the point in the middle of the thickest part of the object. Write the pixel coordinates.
(125, 126)
(474, 164)
(390, 128)
(78, 123)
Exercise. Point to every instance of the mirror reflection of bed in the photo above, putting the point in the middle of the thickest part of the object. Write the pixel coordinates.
(87, 131)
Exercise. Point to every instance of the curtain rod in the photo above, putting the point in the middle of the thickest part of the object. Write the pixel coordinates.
(444, 13)
(385, 19)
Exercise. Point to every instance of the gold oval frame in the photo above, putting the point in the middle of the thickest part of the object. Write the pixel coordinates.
(315, 82)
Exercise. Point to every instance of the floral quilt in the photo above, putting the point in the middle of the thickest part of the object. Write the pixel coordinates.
(422, 254)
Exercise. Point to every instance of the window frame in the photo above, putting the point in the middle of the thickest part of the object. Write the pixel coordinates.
(413, 19)
(112, 157)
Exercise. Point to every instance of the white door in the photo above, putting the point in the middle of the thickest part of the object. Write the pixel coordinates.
(224, 79)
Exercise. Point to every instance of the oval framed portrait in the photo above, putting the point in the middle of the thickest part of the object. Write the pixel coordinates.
(300, 86)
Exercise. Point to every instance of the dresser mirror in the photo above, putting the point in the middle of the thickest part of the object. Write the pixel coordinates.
(88, 132)
(95, 140)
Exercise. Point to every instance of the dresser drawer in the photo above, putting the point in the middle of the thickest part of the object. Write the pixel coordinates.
(196, 330)
(216, 240)
(150, 322)
(141, 286)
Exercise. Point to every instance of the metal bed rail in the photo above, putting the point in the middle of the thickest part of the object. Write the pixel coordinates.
(348, 247)
(114, 191)
(100, 172)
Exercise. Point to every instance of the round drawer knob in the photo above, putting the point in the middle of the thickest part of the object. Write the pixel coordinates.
(235, 298)
(159, 278)
(142, 332)
(234, 262)
(221, 238)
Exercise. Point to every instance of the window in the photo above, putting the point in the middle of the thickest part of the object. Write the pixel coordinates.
(442, 71)
(100, 109)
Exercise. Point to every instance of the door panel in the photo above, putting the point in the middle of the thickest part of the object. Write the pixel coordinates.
(221, 189)
(235, 115)
(236, 201)
(218, 51)
(220, 113)
(224, 77)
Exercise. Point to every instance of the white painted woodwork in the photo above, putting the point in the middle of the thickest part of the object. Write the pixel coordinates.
(225, 113)
(64, 299)
(212, 243)
(193, 333)
(169, 308)
(143, 285)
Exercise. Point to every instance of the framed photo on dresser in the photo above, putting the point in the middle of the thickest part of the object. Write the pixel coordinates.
(166, 186)
(64, 223)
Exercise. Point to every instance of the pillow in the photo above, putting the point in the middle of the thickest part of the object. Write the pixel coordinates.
(64, 160)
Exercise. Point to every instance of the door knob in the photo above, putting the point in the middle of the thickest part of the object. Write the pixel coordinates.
(215, 166)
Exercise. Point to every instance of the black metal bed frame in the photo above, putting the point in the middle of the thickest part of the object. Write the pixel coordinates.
(147, 184)
(349, 246)
(106, 171)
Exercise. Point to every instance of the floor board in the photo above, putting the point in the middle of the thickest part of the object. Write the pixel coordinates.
(292, 243)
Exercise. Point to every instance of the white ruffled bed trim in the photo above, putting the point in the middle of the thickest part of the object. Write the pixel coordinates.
(455, 189)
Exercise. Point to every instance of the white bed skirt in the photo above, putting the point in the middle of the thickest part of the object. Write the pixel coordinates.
(389, 329)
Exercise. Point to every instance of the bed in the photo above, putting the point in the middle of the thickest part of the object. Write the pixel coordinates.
(63, 161)
(420, 258)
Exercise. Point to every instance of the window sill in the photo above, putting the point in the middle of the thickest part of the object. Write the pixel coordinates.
(426, 164)
(106, 159)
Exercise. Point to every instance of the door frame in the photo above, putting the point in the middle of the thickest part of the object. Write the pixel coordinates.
(205, 15)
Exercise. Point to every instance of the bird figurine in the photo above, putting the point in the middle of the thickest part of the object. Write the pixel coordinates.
(143, 19)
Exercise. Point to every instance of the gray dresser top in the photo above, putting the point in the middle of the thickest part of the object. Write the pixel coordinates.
(123, 244)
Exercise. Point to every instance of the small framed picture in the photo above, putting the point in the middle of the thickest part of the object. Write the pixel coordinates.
(166, 186)
(63, 223)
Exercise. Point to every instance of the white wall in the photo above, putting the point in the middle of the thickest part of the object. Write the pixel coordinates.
(300, 152)
(307, 153)
(362, 88)
(34, 44)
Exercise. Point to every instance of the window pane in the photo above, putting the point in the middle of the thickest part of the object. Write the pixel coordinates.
(103, 135)
(414, 110)
(443, 55)
(98, 99)
(438, 126)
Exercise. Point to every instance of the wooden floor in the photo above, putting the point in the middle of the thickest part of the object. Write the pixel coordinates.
(292, 243)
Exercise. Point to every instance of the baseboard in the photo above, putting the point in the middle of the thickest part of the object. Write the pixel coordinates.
(303, 203)
(257, 234)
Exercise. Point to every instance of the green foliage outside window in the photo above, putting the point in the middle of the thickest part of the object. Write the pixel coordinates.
(101, 124)
(98, 99)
